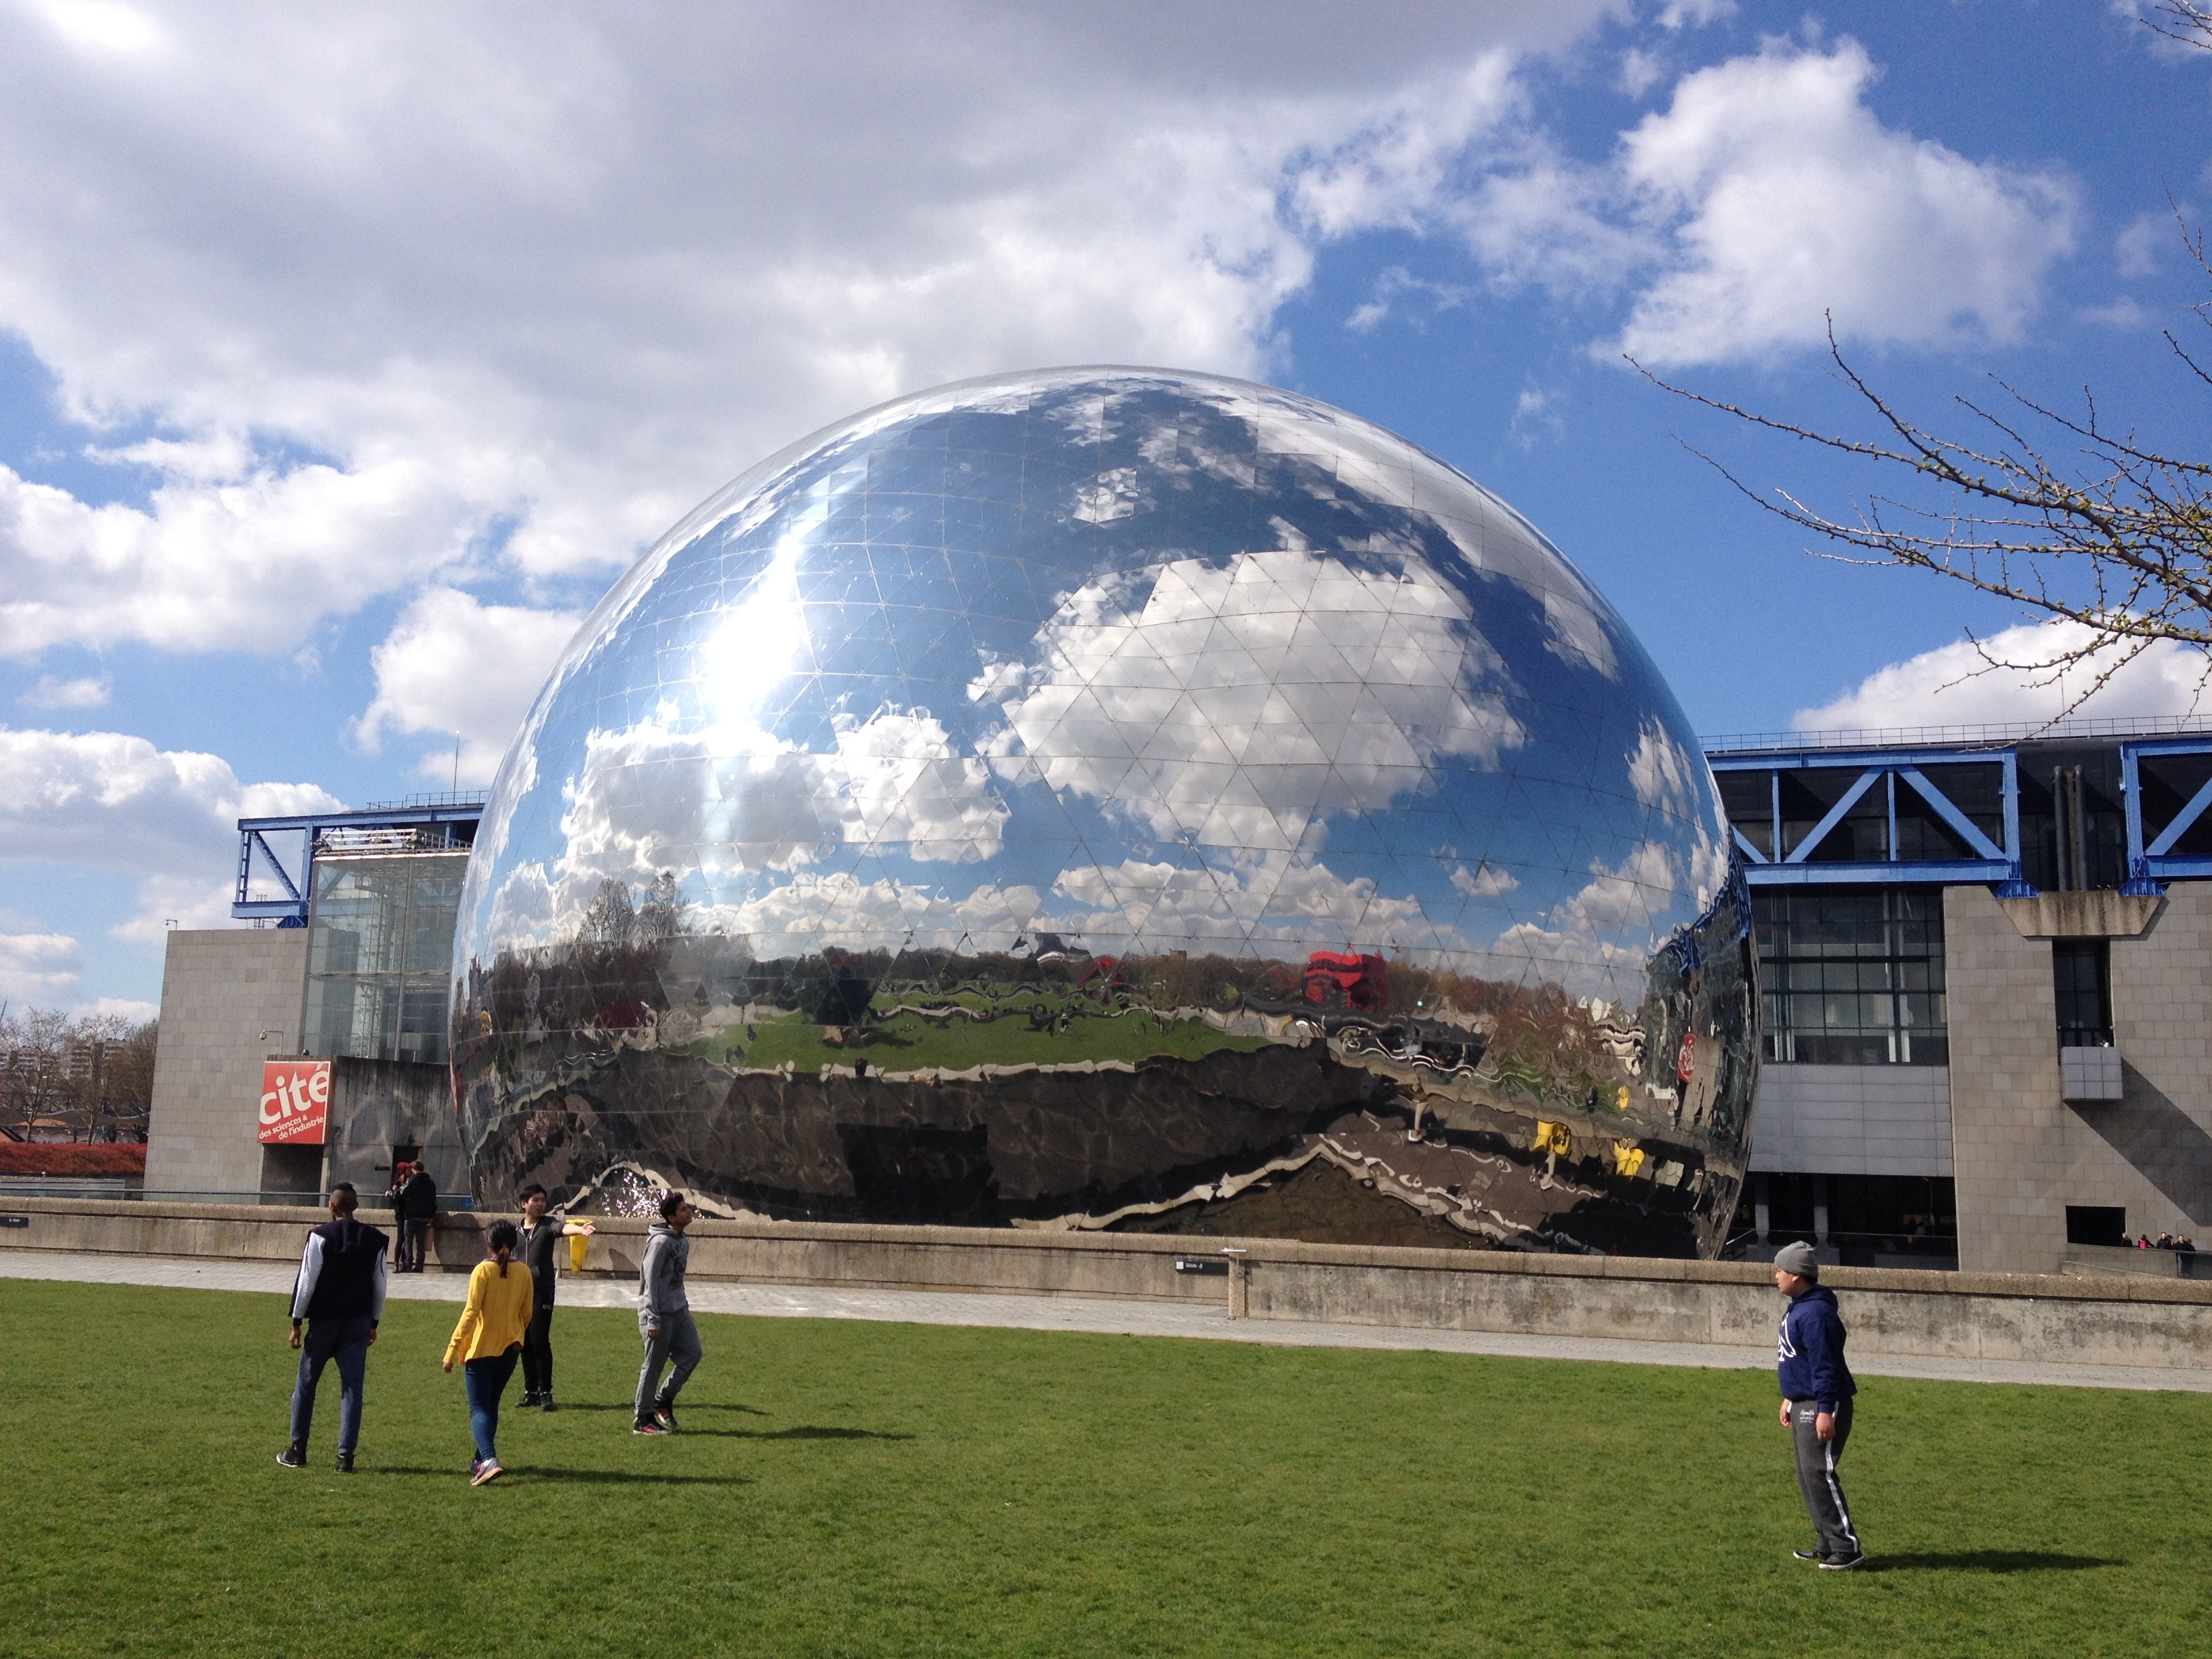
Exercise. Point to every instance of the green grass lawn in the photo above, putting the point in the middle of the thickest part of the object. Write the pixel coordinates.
(850, 1488)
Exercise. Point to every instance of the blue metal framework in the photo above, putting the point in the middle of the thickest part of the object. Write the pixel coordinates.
(443, 815)
(2151, 858)
(1772, 865)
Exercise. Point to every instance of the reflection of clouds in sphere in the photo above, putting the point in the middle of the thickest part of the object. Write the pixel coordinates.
(1157, 662)
(1237, 704)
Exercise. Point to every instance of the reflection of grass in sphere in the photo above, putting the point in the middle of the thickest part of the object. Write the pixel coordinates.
(909, 1043)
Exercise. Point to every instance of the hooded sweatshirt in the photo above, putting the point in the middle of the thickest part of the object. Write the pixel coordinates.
(660, 1275)
(1810, 1351)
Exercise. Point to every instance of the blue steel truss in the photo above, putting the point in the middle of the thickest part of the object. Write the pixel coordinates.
(1773, 865)
(291, 910)
(2152, 861)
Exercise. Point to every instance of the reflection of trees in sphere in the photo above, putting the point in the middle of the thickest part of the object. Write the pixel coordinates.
(1110, 798)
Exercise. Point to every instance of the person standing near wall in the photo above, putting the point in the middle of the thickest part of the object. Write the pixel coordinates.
(486, 1341)
(420, 1196)
(339, 1295)
(664, 1318)
(1817, 1391)
(541, 1242)
(396, 1196)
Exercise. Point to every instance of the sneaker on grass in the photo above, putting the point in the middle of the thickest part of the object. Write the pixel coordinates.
(1807, 1555)
(1843, 1562)
(545, 1404)
(664, 1415)
(294, 1456)
(345, 1462)
(487, 1470)
(643, 1425)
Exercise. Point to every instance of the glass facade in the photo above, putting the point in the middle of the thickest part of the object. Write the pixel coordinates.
(1853, 976)
(1093, 798)
(380, 954)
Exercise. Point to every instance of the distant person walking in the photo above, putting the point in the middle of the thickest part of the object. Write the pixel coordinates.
(541, 1242)
(420, 1195)
(486, 1341)
(664, 1318)
(339, 1296)
(1816, 1403)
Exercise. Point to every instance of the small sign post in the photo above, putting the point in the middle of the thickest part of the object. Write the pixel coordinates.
(295, 1102)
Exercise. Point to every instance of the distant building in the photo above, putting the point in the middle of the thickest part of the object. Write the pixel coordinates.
(1984, 960)
(350, 962)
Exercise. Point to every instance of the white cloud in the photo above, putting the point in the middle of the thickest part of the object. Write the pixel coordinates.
(1694, 14)
(1951, 685)
(39, 968)
(1639, 71)
(2137, 248)
(1781, 198)
(453, 665)
(1243, 704)
(743, 802)
(559, 274)
(245, 562)
(1394, 284)
(115, 801)
(1485, 881)
(124, 1008)
(88, 692)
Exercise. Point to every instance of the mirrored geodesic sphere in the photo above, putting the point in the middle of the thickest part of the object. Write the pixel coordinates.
(1113, 797)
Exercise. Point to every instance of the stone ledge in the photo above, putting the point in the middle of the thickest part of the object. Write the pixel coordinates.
(455, 1227)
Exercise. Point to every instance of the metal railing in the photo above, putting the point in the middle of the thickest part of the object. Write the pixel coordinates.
(35, 1187)
(2003, 735)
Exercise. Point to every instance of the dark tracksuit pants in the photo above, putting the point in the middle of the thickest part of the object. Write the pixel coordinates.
(1817, 1479)
(538, 1352)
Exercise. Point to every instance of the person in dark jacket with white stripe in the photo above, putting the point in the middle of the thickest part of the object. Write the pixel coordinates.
(339, 1296)
(1817, 1391)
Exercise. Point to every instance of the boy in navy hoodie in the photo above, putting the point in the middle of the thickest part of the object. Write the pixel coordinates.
(1816, 1403)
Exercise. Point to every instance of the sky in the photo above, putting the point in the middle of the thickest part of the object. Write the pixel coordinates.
(348, 355)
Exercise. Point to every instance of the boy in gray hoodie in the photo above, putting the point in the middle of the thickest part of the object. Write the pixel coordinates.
(664, 1318)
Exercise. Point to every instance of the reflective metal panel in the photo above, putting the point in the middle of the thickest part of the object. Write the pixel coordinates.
(1105, 797)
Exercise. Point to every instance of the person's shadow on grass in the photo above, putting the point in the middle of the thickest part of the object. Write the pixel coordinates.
(1989, 1561)
(529, 1472)
(804, 1431)
(689, 1408)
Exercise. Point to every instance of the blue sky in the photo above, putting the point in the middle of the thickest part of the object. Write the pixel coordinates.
(344, 359)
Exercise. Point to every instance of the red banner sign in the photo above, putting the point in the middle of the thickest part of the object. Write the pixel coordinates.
(296, 1101)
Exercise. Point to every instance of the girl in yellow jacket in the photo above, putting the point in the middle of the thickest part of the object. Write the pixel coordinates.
(489, 1340)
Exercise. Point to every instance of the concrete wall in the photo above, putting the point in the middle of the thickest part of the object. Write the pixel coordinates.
(1853, 1120)
(2008, 1124)
(221, 989)
(2022, 1154)
(2078, 1320)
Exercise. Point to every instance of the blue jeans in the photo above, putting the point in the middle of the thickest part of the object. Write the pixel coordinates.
(345, 1341)
(486, 1381)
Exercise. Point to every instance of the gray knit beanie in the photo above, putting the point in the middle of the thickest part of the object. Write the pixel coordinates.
(1798, 1259)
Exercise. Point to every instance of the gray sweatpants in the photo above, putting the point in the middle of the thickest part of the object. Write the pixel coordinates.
(1817, 1479)
(678, 1341)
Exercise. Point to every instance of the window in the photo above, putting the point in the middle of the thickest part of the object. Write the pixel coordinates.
(2096, 1224)
(1853, 976)
(2081, 977)
(379, 951)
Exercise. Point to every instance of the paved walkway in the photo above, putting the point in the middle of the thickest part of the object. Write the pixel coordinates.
(1093, 1313)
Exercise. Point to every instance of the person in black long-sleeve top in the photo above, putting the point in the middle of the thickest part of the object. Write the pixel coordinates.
(339, 1297)
(1817, 1391)
(420, 1196)
(541, 1237)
